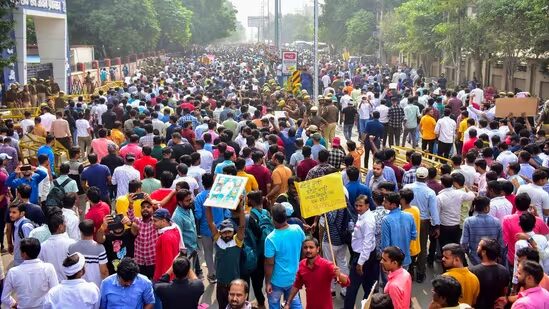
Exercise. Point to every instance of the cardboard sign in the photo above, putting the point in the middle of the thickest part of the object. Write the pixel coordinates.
(226, 191)
(321, 195)
(516, 106)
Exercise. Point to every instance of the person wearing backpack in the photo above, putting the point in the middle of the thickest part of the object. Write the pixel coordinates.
(260, 225)
(228, 247)
(21, 229)
(61, 186)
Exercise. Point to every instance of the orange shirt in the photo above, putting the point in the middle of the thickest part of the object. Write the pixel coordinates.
(357, 154)
(427, 127)
(280, 176)
(39, 130)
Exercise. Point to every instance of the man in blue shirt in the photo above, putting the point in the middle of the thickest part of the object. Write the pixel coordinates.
(29, 175)
(227, 155)
(47, 149)
(356, 188)
(397, 228)
(388, 173)
(184, 218)
(375, 129)
(426, 200)
(282, 254)
(127, 288)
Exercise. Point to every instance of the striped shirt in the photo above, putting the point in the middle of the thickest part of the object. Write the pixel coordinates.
(95, 255)
(477, 227)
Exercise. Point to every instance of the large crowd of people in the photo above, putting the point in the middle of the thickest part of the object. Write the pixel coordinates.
(121, 221)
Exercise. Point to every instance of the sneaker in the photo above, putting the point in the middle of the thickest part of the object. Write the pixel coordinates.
(212, 279)
(333, 294)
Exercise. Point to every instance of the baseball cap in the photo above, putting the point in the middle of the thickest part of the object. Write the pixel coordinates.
(226, 226)
(312, 128)
(289, 208)
(314, 108)
(4, 156)
(422, 172)
(130, 157)
(336, 142)
(162, 213)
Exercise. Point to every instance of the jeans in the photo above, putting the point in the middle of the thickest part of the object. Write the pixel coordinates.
(370, 274)
(340, 253)
(222, 295)
(413, 137)
(362, 126)
(394, 135)
(206, 243)
(348, 131)
(368, 149)
(276, 294)
(85, 145)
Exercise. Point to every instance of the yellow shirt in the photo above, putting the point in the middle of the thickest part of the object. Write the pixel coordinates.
(122, 204)
(117, 136)
(470, 286)
(251, 184)
(462, 128)
(427, 127)
(415, 248)
(280, 176)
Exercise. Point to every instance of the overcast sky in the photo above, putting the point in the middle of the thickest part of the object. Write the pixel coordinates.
(253, 8)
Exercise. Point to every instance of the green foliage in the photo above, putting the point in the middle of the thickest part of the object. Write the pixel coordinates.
(359, 36)
(119, 28)
(6, 27)
(175, 22)
(211, 20)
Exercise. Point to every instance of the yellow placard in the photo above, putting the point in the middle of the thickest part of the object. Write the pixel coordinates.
(321, 195)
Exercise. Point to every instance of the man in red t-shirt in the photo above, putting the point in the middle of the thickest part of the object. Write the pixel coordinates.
(260, 172)
(470, 144)
(166, 180)
(98, 209)
(169, 243)
(145, 160)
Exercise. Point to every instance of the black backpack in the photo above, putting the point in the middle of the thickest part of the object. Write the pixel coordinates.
(57, 194)
(20, 230)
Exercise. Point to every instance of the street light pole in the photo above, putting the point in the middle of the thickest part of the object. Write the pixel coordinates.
(315, 65)
(277, 25)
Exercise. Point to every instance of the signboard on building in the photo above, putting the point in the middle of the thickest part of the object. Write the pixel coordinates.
(55, 6)
(289, 62)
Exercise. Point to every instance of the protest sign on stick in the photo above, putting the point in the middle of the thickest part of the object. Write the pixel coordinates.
(226, 191)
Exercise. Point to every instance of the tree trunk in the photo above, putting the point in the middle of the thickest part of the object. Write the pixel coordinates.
(478, 68)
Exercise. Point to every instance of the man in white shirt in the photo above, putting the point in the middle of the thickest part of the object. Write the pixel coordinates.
(364, 266)
(206, 157)
(74, 292)
(326, 81)
(499, 205)
(182, 170)
(345, 99)
(505, 157)
(539, 197)
(539, 242)
(31, 280)
(122, 176)
(477, 94)
(47, 118)
(449, 202)
(54, 249)
(445, 129)
(27, 122)
(71, 218)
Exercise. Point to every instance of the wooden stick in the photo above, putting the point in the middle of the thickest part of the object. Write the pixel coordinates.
(329, 238)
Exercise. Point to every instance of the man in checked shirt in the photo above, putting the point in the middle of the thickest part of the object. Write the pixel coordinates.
(147, 235)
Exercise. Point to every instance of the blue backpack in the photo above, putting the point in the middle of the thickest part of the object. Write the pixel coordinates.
(266, 226)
